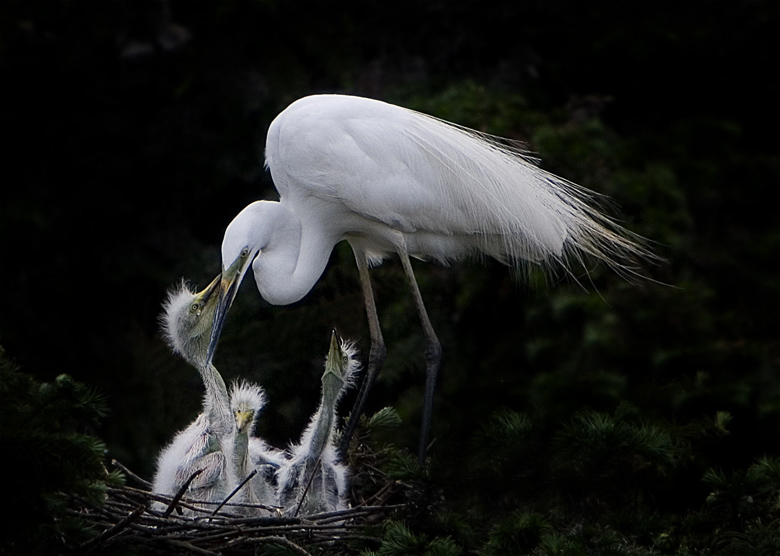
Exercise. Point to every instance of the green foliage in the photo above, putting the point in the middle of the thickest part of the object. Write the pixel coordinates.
(633, 414)
(504, 440)
(472, 105)
(594, 443)
(556, 544)
(520, 533)
(386, 418)
(398, 540)
(741, 514)
(595, 484)
(746, 496)
(49, 454)
(404, 466)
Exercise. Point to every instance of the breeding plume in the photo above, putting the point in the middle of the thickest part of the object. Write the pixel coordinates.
(391, 180)
(314, 480)
(205, 445)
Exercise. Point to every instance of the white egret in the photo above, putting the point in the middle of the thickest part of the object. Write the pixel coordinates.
(266, 458)
(196, 449)
(187, 325)
(251, 453)
(314, 480)
(205, 444)
(392, 180)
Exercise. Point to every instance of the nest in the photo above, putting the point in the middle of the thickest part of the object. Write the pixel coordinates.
(130, 516)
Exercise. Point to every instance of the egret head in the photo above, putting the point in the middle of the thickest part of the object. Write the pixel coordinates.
(187, 320)
(340, 367)
(242, 242)
(246, 401)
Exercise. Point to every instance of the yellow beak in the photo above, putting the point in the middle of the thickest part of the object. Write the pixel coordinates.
(230, 279)
(243, 418)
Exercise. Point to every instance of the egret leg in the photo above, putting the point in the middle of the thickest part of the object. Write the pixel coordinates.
(432, 356)
(376, 355)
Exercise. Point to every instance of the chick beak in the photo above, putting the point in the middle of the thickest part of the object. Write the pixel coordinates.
(210, 294)
(243, 418)
(335, 346)
(229, 281)
(333, 360)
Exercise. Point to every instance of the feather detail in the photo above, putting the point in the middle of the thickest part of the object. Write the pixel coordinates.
(452, 191)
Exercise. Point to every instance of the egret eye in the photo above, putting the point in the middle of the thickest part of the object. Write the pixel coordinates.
(245, 252)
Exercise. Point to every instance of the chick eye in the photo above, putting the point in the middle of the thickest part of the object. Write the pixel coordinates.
(345, 359)
(195, 308)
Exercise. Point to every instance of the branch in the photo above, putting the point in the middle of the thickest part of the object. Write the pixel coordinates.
(191, 547)
(235, 490)
(308, 484)
(181, 492)
(112, 531)
(136, 478)
(273, 539)
(127, 518)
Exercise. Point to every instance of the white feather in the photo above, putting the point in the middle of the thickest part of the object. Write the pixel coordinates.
(391, 180)
(177, 302)
(318, 457)
(451, 191)
(194, 448)
(250, 453)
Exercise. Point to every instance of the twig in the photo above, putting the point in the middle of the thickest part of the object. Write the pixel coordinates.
(308, 484)
(126, 471)
(122, 520)
(274, 539)
(235, 490)
(192, 548)
(379, 496)
(181, 492)
(352, 512)
(112, 531)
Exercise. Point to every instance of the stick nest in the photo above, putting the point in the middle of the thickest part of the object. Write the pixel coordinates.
(128, 517)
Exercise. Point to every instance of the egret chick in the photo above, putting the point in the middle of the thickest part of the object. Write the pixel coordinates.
(195, 449)
(205, 444)
(251, 453)
(314, 480)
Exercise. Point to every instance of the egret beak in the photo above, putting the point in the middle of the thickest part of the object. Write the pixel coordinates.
(228, 287)
(208, 293)
(243, 418)
(333, 360)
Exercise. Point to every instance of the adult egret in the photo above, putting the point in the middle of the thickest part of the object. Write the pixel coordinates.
(205, 445)
(391, 180)
(314, 480)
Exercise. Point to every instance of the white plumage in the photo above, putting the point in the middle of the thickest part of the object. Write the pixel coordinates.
(196, 448)
(392, 180)
(221, 440)
(206, 444)
(314, 480)
(249, 452)
(449, 190)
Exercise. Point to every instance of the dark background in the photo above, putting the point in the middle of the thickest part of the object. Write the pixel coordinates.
(133, 132)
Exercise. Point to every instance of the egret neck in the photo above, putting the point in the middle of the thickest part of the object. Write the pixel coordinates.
(217, 401)
(292, 258)
(332, 384)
